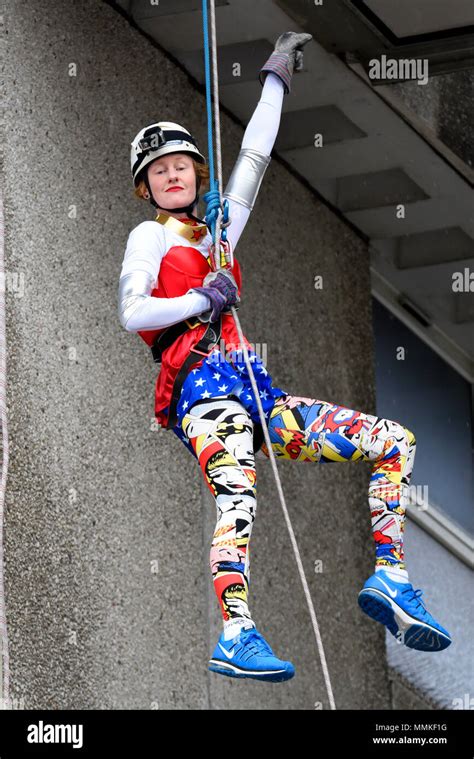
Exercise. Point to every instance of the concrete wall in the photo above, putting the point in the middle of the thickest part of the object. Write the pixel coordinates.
(447, 105)
(97, 498)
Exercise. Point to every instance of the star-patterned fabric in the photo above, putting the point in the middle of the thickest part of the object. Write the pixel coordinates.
(216, 377)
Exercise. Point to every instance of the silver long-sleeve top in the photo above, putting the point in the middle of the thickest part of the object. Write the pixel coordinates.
(149, 241)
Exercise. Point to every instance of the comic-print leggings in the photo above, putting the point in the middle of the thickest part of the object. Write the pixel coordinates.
(301, 429)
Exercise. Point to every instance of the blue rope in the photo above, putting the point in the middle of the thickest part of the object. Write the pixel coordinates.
(210, 147)
(212, 197)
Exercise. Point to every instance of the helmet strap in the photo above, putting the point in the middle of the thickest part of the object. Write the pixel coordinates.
(152, 200)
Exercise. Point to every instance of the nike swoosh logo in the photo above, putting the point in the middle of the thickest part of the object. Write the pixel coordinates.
(392, 593)
(229, 654)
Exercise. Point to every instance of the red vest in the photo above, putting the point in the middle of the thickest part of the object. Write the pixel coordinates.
(181, 268)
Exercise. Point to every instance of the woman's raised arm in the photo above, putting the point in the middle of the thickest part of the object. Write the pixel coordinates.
(259, 138)
(244, 182)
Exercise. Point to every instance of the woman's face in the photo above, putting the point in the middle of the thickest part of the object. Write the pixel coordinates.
(172, 180)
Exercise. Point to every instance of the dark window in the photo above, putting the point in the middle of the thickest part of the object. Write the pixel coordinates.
(425, 394)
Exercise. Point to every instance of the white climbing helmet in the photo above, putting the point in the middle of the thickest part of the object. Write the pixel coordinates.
(159, 139)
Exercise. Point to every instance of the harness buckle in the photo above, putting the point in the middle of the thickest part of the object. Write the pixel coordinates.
(193, 326)
(201, 353)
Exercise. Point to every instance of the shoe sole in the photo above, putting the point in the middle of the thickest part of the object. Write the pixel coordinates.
(231, 670)
(405, 628)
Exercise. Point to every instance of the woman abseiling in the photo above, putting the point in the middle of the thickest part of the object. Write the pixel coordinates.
(170, 296)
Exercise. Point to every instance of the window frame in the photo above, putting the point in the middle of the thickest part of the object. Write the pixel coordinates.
(425, 513)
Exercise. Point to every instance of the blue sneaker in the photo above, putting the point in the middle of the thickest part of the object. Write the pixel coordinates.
(249, 655)
(398, 606)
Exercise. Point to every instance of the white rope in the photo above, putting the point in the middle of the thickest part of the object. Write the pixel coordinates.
(217, 122)
(4, 656)
(254, 384)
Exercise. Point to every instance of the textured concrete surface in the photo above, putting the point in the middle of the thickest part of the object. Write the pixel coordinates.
(108, 527)
(405, 696)
(447, 105)
(446, 678)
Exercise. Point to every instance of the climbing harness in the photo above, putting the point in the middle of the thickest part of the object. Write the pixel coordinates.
(221, 260)
(162, 339)
(208, 342)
